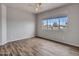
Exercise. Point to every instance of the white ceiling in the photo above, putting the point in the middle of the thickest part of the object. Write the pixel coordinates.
(30, 7)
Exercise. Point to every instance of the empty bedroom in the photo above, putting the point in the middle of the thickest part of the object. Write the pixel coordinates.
(39, 29)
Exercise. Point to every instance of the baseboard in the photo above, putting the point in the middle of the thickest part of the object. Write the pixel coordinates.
(3, 43)
(0, 43)
(57, 42)
(20, 39)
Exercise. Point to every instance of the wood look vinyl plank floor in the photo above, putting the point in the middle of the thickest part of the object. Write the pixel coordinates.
(37, 47)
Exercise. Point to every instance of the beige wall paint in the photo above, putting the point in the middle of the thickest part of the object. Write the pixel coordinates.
(69, 36)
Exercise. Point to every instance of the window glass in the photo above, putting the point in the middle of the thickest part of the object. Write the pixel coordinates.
(55, 23)
(44, 22)
(63, 22)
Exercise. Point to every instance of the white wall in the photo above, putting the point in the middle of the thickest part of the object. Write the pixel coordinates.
(69, 36)
(0, 26)
(15, 24)
(20, 24)
(4, 28)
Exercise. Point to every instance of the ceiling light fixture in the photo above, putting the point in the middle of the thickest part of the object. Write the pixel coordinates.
(38, 5)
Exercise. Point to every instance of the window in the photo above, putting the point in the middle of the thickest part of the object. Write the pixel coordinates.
(44, 24)
(63, 22)
(55, 23)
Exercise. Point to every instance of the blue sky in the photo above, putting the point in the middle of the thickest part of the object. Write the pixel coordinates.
(63, 21)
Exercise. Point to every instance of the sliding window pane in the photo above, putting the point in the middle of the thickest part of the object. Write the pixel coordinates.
(63, 22)
(55, 23)
(49, 24)
(44, 24)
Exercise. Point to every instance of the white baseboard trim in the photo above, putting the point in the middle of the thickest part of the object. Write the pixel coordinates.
(3, 43)
(0, 43)
(20, 39)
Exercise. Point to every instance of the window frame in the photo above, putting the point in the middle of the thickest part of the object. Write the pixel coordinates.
(52, 18)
